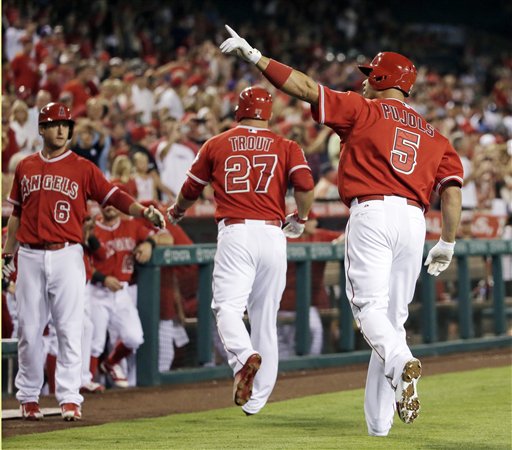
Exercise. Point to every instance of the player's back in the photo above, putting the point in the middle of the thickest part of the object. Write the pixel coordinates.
(393, 150)
(249, 169)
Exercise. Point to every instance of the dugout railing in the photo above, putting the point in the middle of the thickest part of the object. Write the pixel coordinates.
(425, 308)
(303, 255)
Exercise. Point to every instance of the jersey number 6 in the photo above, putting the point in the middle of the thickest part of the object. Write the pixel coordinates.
(62, 211)
(405, 148)
(238, 170)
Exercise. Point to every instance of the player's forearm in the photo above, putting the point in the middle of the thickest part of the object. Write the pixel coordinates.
(304, 200)
(184, 203)
(289, 80)
(12, 227)
(451, 200)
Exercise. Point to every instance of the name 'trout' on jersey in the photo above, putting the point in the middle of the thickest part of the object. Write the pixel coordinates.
(249, 169)
(51, 195)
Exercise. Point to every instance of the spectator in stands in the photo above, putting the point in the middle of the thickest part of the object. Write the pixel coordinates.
(148, 181)
(91, 141)
(142, 96)
(9, 143)
(82, 87)
(319, 297)
(172, 157)
(122, 175)
(24, 67)
(26, 136)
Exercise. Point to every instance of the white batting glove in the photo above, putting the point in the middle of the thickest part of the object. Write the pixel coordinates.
(439, 257)
(294, 225)
(175, 214)
(239, 46)
(154, 216)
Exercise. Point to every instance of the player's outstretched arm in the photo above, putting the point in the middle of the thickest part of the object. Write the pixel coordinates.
(285, 78)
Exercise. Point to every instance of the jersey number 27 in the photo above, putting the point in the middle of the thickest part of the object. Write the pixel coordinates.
(238, 170)
(405, 150)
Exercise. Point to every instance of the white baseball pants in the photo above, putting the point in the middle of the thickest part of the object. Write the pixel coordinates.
(383, 256)
(50, 281)
(250, 272)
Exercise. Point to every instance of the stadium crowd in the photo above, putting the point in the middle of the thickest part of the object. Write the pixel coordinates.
(147, 86)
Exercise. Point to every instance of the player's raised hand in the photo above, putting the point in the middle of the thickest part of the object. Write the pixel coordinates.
(154, 216)
(293, 225)
(240, 47)
(439, 257)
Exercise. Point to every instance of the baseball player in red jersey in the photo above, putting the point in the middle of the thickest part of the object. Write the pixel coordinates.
(391, 160)
(122, 241)
(249, 168)
(49, 195)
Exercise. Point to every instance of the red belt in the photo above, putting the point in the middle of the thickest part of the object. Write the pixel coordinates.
(227, 222)
(48, 245)
(367, 198)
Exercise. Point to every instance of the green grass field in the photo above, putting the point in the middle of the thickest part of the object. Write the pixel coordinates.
(466, 410)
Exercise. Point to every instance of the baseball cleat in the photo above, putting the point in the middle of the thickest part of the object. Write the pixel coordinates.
(70, 412)
(31, 411)
(116, 373)
(406, 394)
(92, 388)
(242, 387)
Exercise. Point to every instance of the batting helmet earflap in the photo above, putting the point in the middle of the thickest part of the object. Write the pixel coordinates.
(56, 112)
(254, 102)
(390, 70)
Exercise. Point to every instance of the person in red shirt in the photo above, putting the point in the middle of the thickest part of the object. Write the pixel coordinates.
(391, 160)
(123, 241)
(249, 168)
(319, 298)
(24, 68)
(82, 87)
(49, 197)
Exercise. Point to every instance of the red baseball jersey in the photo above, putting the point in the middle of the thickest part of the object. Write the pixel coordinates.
(115, 257)
(52, 196)
(249, 169)
(387, 148)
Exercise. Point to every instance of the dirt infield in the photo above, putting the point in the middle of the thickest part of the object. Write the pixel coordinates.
(135, 403)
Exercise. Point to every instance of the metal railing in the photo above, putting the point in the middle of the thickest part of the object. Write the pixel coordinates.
(303, 255)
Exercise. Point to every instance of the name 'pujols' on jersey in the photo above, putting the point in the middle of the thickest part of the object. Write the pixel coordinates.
(250, 143)
(407, 118)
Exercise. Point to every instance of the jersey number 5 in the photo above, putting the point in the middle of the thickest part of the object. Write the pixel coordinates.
(405, 149)
(238, 170)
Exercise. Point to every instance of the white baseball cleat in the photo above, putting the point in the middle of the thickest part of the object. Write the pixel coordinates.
(406, 394)
(70, 412)
(116, 373)
(92, 388)
(31, 411)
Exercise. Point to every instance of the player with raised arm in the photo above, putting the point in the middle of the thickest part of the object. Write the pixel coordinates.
(49, 195)
(390, 162)
(249, 168)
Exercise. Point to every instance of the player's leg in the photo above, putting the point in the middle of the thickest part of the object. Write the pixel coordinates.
(66, 282)
(32, 312)
(233, 276)
(262, 308)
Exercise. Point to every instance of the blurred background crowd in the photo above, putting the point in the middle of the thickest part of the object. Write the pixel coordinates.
(148, 85)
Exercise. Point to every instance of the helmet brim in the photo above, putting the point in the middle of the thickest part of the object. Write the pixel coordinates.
(367, 70)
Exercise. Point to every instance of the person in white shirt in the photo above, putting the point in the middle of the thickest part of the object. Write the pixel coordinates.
(173, 158)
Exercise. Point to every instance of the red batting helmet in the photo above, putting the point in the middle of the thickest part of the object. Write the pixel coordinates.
(390, 70)
(254, 103)
(56, 112)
